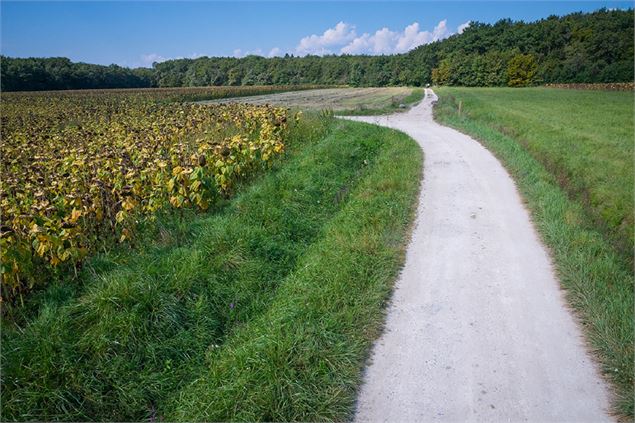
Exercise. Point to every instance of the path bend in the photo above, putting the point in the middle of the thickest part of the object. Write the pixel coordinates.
(478, 328)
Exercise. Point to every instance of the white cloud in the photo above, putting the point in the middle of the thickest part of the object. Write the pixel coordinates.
(385, 41)
(148, 59)
(275, 52)
(441, 31)
(343, 39)
(381, 42)
(412, 37)
(341, 34)
(238, 53)
(358, 45)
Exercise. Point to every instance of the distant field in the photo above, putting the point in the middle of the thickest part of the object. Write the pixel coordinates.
(337, 99)
(571, 154)
(167, 94)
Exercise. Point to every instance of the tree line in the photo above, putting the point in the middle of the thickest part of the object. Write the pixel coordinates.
(59, 73)
(577, 48)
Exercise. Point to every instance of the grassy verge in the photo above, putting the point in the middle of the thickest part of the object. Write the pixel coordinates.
(583, 138)
(408, 101)
(594, 269)
(264, 310)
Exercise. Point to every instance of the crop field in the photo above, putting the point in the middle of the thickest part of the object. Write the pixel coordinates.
(571, 153)
(340, 100)
(82, 169)
(178, 94)
(143, 262)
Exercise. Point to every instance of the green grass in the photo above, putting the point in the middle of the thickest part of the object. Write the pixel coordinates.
(570, 153)
(263, 310)
(583, 138)
(386, 105)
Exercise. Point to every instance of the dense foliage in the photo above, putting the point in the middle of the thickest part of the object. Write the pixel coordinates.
(596, 47)
(59, 73)
(593, 47)
(81, 168)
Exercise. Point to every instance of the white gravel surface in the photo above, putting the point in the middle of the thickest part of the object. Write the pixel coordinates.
(477, 329)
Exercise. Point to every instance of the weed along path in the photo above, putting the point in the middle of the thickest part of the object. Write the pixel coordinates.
(477, 329)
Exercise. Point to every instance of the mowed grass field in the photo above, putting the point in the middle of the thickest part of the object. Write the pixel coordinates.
(261, 309)
(342, 101)
(571, 154)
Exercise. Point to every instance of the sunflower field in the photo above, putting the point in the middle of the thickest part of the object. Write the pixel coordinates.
(81, 169)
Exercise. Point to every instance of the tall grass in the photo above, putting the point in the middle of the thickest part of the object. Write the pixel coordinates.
(570, 153)
(263, 310)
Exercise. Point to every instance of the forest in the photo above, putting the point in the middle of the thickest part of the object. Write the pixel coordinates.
(577, 48)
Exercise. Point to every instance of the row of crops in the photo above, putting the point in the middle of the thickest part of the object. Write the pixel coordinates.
(171, 94)
(83, 169)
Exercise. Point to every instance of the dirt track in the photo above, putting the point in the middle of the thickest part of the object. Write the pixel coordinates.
(478, 329)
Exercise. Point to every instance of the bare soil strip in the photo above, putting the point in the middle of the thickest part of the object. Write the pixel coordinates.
(478, 328)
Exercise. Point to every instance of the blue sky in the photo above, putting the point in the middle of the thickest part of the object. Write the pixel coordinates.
(138, 33)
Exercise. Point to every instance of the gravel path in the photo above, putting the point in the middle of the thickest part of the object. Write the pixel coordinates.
(477, 329)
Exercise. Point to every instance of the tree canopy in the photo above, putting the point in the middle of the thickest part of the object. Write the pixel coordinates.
(576, 48)
(59, 73)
